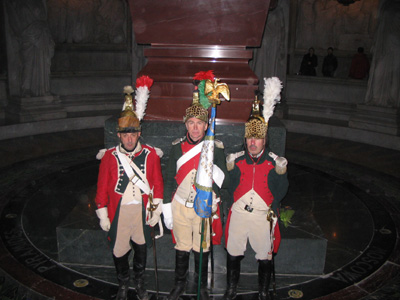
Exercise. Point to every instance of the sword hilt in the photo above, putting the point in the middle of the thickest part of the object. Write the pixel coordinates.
(270, 215)
(152, 207)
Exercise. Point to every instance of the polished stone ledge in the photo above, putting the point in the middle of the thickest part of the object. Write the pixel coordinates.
(51, 126)
(344, 133)
(295, 126)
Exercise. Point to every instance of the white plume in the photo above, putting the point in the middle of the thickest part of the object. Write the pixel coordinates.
(142, 95)
(272, 91)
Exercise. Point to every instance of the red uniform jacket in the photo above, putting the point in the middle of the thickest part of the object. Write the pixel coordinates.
(174, 179)
(267, 183)
(112, 179)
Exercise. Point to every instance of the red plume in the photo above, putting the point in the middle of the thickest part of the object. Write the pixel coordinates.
(204, 75)
(144, 81)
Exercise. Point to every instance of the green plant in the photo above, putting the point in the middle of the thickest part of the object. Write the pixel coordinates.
(286, 215)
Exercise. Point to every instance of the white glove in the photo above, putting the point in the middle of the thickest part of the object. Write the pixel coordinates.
(167, 212)
(156, 213)
(281, 165)
(102, 214)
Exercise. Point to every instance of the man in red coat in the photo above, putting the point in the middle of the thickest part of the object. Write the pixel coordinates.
(129, 183)
(179, 198)
(258, 182)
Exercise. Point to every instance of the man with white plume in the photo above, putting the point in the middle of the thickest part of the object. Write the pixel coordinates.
(129, 192)
(258, 182)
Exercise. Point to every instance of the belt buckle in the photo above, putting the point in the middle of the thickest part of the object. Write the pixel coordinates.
(134, 178)
(189, 204)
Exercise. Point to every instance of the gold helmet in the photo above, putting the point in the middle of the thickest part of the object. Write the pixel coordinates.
(196, 110)
(257, 125)
(129, 120)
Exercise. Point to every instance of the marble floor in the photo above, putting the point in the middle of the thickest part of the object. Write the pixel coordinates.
(345, 229)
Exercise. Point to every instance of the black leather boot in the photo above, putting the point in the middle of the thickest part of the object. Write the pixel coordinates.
(204, 273)
(181, 271)
(264, 278)
(139, 267)
(122, 267)
(232, 276)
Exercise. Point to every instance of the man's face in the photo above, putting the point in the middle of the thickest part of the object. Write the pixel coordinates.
(129, 139)
(255, 146)
(196, 128)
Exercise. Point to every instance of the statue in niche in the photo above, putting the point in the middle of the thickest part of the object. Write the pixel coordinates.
(383, 84)
(270, 59)
(28, 23)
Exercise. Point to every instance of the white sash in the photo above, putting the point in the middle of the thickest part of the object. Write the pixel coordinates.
(189, 155)
(127, 164)
(144, 186)
(218, 174)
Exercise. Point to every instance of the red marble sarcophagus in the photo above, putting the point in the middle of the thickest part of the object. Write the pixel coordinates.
(186, 37)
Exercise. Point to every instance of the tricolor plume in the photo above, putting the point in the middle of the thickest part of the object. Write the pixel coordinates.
(202, 76)
(272, 91)
(143, 85)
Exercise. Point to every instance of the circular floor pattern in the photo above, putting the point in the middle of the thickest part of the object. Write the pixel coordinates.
(43, 198)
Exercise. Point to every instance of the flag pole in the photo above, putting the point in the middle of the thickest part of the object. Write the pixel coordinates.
(201, 258)
(204, 176)
(152, 208)
(203, 220)
(211, 253)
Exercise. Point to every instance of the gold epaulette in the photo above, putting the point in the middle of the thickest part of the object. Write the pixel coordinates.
(230, 159)
(219, 144)
(178, 140)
